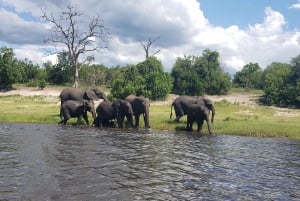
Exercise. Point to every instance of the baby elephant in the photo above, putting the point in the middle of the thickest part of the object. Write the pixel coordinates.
(198, 113)
(71, 109)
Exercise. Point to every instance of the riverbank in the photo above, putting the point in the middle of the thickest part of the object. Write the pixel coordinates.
(237, 113)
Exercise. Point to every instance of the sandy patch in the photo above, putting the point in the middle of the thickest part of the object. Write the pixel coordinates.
(32, 92)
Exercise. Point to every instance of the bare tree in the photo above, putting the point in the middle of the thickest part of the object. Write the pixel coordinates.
(147, 46)
(65, 29)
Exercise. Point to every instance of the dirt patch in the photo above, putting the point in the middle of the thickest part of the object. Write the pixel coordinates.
(32, 92)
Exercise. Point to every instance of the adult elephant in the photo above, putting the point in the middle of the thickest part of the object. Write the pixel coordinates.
(198, 113)
(108, 111)
(140, 105)
(181, 103)
(71, 109)
(81, 94)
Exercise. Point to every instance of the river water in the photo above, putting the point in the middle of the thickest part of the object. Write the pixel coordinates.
(51, 162)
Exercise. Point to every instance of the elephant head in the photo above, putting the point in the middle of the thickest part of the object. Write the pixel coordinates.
(123, 108)
(140, 105)
(209, 104)
(94, 94)
(88, 106)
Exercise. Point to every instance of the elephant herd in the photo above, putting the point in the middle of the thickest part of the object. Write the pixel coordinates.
(75, 103)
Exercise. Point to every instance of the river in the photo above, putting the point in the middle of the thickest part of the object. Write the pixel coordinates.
(53, 162)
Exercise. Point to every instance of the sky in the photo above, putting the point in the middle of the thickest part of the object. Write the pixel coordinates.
(257, 31)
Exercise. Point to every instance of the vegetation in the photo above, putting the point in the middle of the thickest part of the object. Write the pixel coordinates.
(249, 77)
(230, 118)
(14, 71)
(146, 78)
(194, 75)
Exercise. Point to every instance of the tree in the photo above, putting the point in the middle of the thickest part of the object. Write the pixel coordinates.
(146, 78)
(196, 75)
(61, 72)
(275, 78)
(147, 46)
(249, 76)
(66, 30)
(10, 69)
(93, 75)
(186, 79)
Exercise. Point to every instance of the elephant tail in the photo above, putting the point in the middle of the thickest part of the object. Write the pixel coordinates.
(171, 111)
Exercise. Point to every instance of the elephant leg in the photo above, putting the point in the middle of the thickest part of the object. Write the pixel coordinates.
(61, 121)
(146, 121)
(200, 124)
(208, 125)
(79, 119)
(178, 112)
(188, 123)
(101, 121)
(137, 120)
(85, 117)
(64, 121)
(129, 118)
(120, 122)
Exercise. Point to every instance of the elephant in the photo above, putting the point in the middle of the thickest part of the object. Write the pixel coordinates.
(105, 114)
(198, 113)
(140, 105)
(70, 109)
(108, 111)
(81, 94)
(182, 102)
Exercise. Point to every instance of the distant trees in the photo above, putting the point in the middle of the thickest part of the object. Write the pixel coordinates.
(198, 75)
(275, 78)
(60, 73)
(249, 77)
(14, 71)
(146, 78)
(282, 83)
(9, 69)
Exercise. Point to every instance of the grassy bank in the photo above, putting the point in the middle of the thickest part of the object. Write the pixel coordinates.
(230, 118)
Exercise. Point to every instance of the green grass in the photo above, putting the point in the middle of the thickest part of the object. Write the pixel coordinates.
(230, 118)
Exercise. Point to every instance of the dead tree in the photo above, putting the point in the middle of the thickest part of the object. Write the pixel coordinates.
(66, 29)
(148, 45)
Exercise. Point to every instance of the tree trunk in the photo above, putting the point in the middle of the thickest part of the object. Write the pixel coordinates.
(76, 75)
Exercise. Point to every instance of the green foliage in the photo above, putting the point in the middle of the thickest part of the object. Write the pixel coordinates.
(10, 70)
(146, 78)
(61, 72)
(249, 77)
(199, 75)
(92, 75)
(282, 83)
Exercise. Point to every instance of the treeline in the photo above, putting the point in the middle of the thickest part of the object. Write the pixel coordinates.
(190, 75)
(280, 82)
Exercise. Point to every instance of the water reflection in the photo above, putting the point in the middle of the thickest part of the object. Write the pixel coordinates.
(50, 162)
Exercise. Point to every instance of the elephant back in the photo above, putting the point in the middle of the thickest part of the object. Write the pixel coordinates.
(71, 94)
(104, 106)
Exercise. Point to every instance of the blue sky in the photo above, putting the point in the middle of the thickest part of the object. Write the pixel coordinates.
(243, 12)
(259, 31)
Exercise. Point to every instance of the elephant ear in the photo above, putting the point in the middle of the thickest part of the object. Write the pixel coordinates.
(90, 95)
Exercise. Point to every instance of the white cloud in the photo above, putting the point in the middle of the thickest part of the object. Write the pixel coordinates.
(296, 5)
(181, 25)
